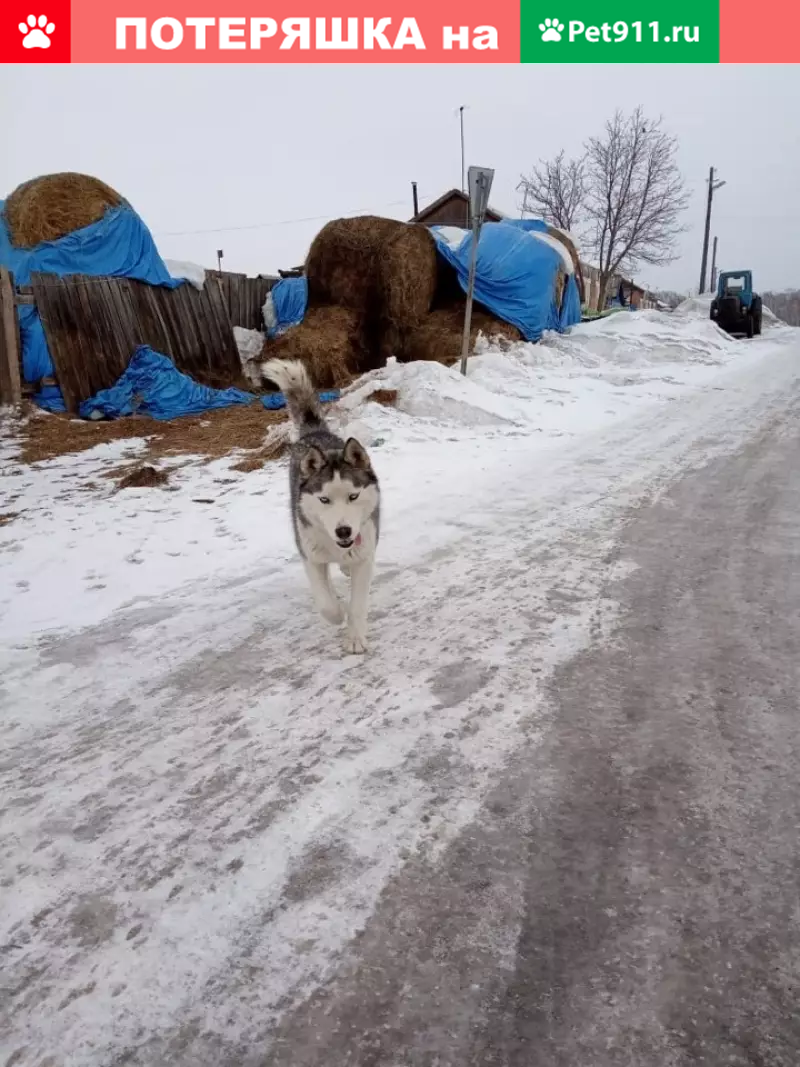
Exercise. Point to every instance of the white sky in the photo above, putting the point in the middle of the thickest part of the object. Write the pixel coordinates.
(251, 150)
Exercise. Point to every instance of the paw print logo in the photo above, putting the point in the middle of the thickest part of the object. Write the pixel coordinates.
(551, 29)
(36, 36)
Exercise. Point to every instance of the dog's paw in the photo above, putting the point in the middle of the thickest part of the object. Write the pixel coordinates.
(332, 613)
(355, 644)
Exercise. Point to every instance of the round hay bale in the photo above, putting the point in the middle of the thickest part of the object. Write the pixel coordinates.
(407, 276)
(571, 247)
(408, 273)
(342, 263)
(54, 205)
(438, 338)
(561, 279)
(329, 341)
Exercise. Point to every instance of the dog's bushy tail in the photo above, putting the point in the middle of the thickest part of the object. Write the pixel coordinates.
(292, 378)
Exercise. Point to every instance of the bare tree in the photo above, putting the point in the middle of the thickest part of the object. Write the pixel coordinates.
(555, 190)
(635, 196)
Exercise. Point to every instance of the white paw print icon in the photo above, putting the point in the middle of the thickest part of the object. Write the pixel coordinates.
(551, 29)
(36, 36)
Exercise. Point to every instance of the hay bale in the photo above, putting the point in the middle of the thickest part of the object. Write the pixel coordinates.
(341, 267)
(565, 239)
(407, 276)
(54, 205)
(329, 341)
(438, 338)
(571, 247)
(560, 284)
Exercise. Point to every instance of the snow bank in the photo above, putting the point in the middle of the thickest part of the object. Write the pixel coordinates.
(699, 307)
(193, 273)
(564, 384)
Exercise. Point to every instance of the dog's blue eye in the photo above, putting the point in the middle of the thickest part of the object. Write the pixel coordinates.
(354, 496)
(324, 500)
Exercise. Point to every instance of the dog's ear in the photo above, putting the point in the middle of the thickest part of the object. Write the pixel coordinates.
(312, 462)
(355, 455)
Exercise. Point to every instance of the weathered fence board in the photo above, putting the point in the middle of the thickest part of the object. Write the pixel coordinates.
(10, 349)
(244, 296)
(93, 325)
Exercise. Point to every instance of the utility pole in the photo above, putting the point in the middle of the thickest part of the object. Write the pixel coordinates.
(714, 267)
(463, 168)
(219, 259)
(416, 199)
(712, 188)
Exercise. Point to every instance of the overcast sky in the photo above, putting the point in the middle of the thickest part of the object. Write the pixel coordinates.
(252, 151)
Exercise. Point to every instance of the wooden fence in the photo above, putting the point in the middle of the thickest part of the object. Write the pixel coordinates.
(93, 325)
(10, 370)
(244, 296)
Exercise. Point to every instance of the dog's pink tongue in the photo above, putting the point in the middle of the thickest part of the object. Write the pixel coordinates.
(358, 540)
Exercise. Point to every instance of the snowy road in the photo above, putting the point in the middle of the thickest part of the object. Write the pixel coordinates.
(223, 844)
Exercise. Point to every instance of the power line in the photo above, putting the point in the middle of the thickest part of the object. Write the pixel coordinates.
(279, 222)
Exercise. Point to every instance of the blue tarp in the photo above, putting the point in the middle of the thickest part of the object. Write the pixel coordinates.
(273, 401)
(118, 245)
(152, 385)
(515, 274)
(289, 298)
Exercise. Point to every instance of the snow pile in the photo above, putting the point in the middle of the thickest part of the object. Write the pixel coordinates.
(699, 307)
(192, 273)
(433, 391)
(648, 338)
(565, 384)
(694, 307)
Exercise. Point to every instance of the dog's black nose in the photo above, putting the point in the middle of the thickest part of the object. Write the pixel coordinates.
(344, 533)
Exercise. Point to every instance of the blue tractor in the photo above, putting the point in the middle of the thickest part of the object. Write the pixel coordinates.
(736, 308)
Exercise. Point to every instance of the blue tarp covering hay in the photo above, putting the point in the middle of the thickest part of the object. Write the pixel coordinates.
(516, 277)
(152, 385)
(289, 301)
(117, 245)
(516, 273)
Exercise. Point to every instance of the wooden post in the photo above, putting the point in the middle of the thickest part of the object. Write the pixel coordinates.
(10, 348)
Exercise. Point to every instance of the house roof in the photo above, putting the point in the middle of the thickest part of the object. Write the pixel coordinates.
(454, 194)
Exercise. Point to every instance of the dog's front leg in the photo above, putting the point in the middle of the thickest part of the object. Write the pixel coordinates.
(361, 579)
(323, 592)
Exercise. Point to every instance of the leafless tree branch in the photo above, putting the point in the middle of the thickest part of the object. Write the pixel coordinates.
(555, 189)
(635, 195)
(625, 195)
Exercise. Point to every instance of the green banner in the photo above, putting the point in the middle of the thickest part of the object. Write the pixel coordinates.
(620, 31)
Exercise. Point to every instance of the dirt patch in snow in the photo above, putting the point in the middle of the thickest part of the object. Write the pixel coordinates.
(213, 434)
(143, 478)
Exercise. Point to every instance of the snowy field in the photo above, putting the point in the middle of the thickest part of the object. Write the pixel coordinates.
(202, 799)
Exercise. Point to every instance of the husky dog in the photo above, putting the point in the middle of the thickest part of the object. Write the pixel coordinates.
(335, 503)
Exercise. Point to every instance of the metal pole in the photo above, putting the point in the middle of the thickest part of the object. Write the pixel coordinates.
(463, 166)
(219, 259)
(473, 262)
(714, 266)
(416, 201)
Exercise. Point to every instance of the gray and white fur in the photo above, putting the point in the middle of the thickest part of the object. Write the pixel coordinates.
(335, 504)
